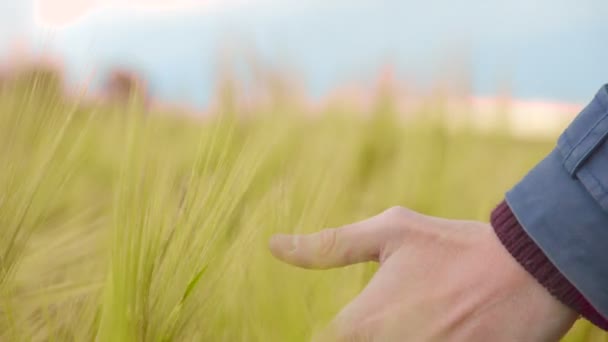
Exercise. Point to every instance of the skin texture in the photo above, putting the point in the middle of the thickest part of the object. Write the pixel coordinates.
(439, 280)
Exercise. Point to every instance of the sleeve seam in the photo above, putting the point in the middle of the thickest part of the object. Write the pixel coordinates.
(584, 137)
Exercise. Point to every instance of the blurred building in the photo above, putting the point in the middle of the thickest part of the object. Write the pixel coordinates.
(123, 85)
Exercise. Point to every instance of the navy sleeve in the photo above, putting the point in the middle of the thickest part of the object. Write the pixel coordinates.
(562, 204)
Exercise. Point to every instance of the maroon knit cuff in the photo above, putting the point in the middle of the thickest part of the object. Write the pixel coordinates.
(532, 258)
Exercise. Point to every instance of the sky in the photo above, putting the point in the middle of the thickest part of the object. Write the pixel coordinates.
(543, 49)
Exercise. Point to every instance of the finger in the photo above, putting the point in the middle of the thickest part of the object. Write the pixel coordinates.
(359, 242)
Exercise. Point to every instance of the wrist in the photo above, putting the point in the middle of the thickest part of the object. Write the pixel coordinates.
(518, 243)
(520, 308)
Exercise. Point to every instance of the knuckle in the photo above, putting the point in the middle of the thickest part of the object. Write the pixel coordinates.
(327, 241)
(406, 222)
(397, 211)
(398, 216)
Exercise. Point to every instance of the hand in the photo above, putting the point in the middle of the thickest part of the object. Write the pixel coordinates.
(439, 280)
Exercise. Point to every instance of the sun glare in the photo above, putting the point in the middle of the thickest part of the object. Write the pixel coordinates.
(58, 13)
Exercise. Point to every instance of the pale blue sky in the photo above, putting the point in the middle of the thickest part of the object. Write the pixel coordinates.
(545, 49)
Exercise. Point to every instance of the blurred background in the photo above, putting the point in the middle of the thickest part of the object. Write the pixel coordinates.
(149, 148)
(529, 50)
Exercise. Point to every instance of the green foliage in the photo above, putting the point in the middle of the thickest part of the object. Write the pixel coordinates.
(122, 225)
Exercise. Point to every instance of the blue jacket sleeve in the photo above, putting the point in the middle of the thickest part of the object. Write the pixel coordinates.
(562, 204)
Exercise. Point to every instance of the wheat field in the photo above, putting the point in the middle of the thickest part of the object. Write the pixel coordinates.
(124, 223)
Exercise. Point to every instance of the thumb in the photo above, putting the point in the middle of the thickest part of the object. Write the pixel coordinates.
(335, 247)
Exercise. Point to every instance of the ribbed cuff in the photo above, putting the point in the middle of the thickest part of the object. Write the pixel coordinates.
(533, 260)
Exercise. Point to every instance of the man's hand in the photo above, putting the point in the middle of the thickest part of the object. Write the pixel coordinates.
(439, 280)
